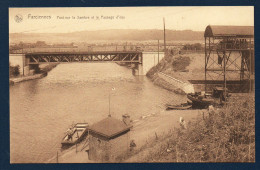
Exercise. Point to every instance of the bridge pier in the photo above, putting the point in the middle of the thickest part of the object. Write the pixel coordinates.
(22, 61)
(138, 70)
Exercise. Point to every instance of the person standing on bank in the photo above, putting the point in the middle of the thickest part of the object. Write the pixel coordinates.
(69, 133)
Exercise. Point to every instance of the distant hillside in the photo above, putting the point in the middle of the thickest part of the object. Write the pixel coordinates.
(118, 35)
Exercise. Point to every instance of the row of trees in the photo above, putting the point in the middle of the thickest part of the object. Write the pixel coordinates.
(196, 46)
(38, 44)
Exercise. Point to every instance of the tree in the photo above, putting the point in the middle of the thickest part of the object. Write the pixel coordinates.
(14, 70)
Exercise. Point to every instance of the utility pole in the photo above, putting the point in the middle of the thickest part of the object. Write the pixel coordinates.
(23, 63)
(225, 80)
(158, 51)
(250, 67)
(164, 37)
(205, 64)
(154, 60)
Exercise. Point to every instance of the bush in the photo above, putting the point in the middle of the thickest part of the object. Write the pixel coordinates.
(161, 66)
(14, 70)
(196, 46)
(225, 135)
(180, 63)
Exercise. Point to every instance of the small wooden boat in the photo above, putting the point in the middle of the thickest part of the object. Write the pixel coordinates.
(200, 100)
(183, 106)
(203, 100)
(75, 134)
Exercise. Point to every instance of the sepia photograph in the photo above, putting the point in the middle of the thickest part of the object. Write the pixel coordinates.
(159, 84)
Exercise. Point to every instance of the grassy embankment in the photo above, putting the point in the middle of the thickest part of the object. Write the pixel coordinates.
(180, 66)
(223, 135)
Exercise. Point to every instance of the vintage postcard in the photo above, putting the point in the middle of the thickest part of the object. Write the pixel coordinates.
(132, 84)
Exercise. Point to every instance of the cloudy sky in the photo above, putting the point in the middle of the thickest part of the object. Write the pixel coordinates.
(62, 20)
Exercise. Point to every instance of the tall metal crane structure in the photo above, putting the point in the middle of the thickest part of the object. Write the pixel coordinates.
(229, 55)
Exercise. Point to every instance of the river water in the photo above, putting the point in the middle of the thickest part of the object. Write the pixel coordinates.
(42, 110)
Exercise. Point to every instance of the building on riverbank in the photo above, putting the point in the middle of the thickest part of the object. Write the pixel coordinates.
(109, 138)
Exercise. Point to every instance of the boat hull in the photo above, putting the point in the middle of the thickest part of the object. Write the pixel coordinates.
(80, 130)
(200, 102)
(185, 106)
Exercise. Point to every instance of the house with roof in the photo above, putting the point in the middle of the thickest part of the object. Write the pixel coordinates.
(109, 138)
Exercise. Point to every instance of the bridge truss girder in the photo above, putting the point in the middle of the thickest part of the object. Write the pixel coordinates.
(38, 58)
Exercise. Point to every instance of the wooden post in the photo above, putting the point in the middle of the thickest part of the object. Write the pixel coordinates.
(177, 151)
(57, 160)
(109, 103)
(156, 137)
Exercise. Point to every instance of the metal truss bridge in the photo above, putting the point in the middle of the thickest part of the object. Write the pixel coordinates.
(67, 57)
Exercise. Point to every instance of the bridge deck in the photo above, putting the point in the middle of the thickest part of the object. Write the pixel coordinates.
(86, 52)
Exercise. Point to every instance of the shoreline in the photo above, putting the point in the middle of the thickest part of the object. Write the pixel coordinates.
(43, 73)
(203, 141)
(147, 127)
(155, 134)
(13, 81)
(144, 130)
(175, 77)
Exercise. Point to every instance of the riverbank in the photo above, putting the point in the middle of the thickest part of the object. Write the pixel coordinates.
(145, 129)
(44, 69)
(175, 70)
(150, 127)
(220, 135)
(26, 78)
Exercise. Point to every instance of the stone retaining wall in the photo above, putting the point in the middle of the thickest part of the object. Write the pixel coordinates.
(186, 87)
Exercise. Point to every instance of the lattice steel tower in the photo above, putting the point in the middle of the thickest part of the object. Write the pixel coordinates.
(229, 54)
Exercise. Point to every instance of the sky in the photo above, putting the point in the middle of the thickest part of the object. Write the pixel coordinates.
(64, 20)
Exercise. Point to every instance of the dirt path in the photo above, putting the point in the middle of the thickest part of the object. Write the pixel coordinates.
(143, 130)
(148, 127)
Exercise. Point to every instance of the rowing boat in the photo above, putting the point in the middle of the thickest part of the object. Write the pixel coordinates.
(202, 101)
(183, 106)
(75, 134)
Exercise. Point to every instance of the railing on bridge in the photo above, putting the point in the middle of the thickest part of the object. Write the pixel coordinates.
(98, 48)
